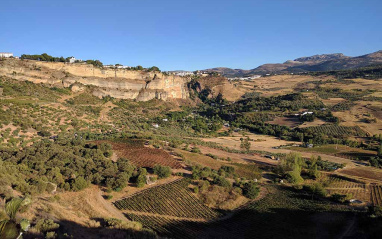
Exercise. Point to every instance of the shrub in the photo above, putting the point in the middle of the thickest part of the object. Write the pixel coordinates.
(204, 185)
(51, 235)
(315, 189)
(228, 169)
(221, 181)
(250, 190)
(79, 184)
(44, 225)
(195, 150)
(119, 224)
(340, 197)
(162, 171)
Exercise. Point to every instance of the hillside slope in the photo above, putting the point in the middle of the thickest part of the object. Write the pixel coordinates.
(324, 62)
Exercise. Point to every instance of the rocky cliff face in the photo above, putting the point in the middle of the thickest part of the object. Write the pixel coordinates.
(118, 83)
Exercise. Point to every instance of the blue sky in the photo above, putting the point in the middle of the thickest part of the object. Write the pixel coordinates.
(190, 34)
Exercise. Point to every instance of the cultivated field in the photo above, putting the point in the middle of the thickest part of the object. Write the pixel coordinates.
(173, 199)
(142, 156)
(376, 194)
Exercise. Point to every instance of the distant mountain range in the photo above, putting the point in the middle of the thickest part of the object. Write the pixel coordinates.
(324, 62)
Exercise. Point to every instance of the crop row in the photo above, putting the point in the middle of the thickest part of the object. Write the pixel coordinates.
(173, 199)
(336, 182)
(376, 195)
(336, 130)
(168, 227)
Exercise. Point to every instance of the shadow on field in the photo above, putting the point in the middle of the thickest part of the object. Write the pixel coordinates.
(69, 229)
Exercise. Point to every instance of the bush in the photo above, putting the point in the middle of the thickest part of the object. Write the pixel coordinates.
(141, 179)
(195, 150)
(315, 189)
(50, 235)
(79, 184)
(221, 181)
(119, 224)
(162, 171)
(204, 185)
(250, 190)
(341, 198)
(44, 225)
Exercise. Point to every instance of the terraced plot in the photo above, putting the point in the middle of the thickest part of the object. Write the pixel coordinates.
(173, 199)
(347, 186)
(376, 194)
(336, 130)
(142, 156)
(170, 227)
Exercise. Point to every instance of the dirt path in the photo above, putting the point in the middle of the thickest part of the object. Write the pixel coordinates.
(109, 207)
(105, 110)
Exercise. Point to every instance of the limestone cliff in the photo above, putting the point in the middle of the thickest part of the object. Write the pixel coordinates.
(117, 83)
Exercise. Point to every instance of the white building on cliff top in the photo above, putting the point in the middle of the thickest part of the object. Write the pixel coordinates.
(6, 54)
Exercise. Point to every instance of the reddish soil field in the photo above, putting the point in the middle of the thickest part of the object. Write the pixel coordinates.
(142, 156)
(363, 172)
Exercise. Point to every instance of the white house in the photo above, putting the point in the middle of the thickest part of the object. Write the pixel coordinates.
(6, 54)
(72, 59)
(307, 113)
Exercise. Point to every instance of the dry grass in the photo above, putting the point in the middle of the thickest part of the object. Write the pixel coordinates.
(362, 84)
(258, 141)
(316, 122)
(362, 109)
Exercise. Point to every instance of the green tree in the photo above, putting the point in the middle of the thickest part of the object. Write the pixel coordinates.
(380, 150)
(162, 171)
(295, 175)
(315, 189)
(250, 190)
(79, 183)
(141, 179)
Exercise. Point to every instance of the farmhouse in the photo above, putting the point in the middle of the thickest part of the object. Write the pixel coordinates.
(72, 59)
(307, 113)
(6, 54)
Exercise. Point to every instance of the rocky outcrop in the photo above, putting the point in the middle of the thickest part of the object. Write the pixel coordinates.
(117, 83)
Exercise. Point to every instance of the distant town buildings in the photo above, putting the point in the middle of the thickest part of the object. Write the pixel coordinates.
(117, 66)
(189, 73)
(180, 73)
(6, 54)
(248, 78)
